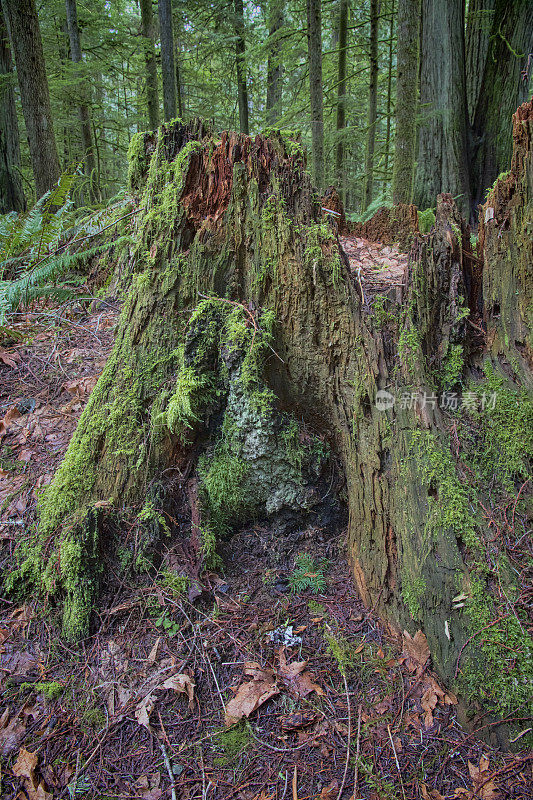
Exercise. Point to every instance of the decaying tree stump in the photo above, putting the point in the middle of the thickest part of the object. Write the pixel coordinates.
(241, 321)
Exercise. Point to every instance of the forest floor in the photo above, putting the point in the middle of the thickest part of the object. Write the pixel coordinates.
(249, 691)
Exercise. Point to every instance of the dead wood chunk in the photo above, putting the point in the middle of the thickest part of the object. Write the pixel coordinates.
(398, 224)
(332, 202)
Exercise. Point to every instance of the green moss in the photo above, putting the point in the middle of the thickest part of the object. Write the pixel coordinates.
(412, 592)
(449, 499)
(137, 162)
(452, 366)
(321, 249)
(233, 742)
(341, 650)
(50, 690)
(222, 479)
(409, 347)
(380, 314)
(426, 220)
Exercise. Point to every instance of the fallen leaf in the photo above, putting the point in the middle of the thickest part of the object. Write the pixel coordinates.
(416, 649)
(298, 682)
(331, 791)
(153, 652)
(252, 694)
(11, 733)
(10, 359)
(430, 794)
(143, 711)
(7, 421)
(81, 386)
(181, 683)
(300, 719)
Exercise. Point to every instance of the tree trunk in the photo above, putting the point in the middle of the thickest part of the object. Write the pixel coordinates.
(479, 23)
(85, 116)
(11, 189)
(27, 49)
(341, 98)
(274, 106)
(372, 103)
(243, 319)
(168, 68)
(502, 89)
(152, 91)
(389, 92)
(406, 100)
(443, 141)
(314, 50)
(240, 51)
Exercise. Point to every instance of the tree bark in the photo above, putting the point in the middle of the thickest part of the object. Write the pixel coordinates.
(242, 319)
(389, 92)
(168, 67)
(502, 90)
(406, 100)
(274, 106)
(152, 90)
(11, 189)
(27, 49)
(479, 22)
(314, 50)
(84, 113)
(443, 136)
(341, 97)
(240, 52)
(372, 104)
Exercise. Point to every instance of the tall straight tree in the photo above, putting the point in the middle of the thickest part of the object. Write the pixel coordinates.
(341, 97)
(274, 109)
(372, 103)
(152, 91)
(502, 90)
(314, 50)
(27, 48)
(168, 68)
(240, 52)
(83, 110)
(443, 138)
(11, 189)
(479, 21)
(406, 100)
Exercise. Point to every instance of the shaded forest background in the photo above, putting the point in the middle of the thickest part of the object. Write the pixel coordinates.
(394, 98)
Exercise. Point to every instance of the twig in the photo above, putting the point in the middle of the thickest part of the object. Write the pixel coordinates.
(349, 736)
(169, 768)
(357, 750)
(397, 762)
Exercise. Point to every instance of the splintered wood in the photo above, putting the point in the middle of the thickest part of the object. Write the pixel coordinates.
(379, 267)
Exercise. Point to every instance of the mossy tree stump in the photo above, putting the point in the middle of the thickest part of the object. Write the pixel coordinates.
(241, 309)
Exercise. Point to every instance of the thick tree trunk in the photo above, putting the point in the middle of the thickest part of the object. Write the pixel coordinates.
(274, 105)
(243, 319)
(479, 23)
(85, 116)
(443, 140)
(390, 68)
(314, 54)
(341, 97)
(406, 100)
(372, 104)
(11, 189)
(240, 51)
(168, 68)
(152, 91)
(502, 90)
(27, 49)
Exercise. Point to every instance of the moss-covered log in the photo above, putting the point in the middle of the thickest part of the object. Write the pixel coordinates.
(242, 319)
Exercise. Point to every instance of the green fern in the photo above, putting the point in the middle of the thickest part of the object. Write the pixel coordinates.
(308, 574)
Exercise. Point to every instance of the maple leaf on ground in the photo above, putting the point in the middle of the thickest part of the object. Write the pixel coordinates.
(416, 649)
(430, 794)
(298, 682)
(483, 787)
(24, 768)
(252, 694)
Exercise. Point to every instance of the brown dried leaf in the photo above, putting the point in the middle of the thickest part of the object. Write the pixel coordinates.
(81, 386)
(298, 682)
(331, 791)
(10, 359)
(430, 794)
(181, 683)
(252, 694)
(144, 709)
(416, 649)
